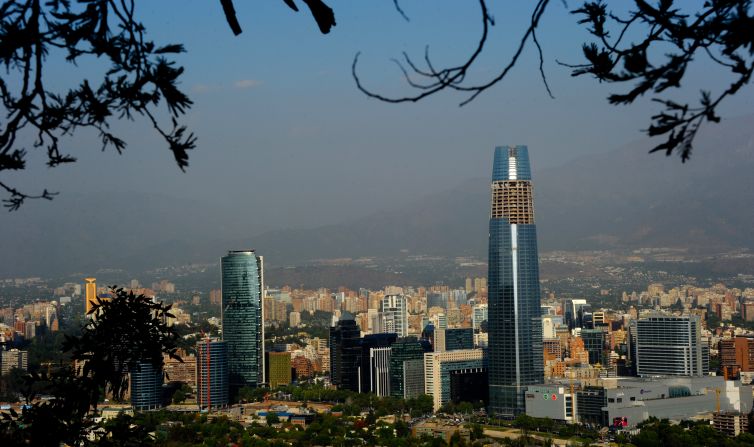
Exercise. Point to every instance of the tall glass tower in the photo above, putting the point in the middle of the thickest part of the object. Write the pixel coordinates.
(243, 328)
(515, 330)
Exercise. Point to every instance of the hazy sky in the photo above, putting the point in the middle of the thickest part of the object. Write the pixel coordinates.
(285, 135)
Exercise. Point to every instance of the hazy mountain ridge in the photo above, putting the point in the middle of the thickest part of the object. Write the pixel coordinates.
(620, 199)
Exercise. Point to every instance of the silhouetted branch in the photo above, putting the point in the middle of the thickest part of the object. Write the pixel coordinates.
(453, 78)
(139, 79)
(400, 11)
(721, 29)
(230, 16)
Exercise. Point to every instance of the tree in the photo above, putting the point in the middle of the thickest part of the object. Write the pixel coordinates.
(272, 418)
(477, 432)
(719, 29)
(142, 78)
(122, 332)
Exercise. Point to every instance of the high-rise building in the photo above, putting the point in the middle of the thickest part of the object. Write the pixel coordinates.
(243, 329)
(379, 371)
(369, 370)
(514, 324)
(573, 312)
(212, 374)
(479, 314)
(594, 344)
(90, 294)
(345, 353)
(394, 314)
(13, 358)
(404, 350)
(146, 386)
(459, 338)
(667, 345)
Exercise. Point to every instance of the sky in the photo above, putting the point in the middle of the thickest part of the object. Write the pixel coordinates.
(287, 139)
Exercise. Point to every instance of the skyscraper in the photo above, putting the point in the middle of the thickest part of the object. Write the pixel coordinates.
(90, 294)
(146, 386)
(405, 350)
(243, 330)
(212, 374)
(394, 314)
(345, 353)
(667, 345)
(515, 329)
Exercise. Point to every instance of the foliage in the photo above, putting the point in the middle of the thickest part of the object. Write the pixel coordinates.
(670, 39)
(139, 79)
(124, 331)
(660, 433)
(721, 30)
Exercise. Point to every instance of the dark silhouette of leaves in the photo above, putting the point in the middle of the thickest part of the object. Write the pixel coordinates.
(721, 30)
(139, 80)
(122, 332)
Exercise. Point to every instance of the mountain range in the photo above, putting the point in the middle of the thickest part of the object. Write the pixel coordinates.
(619, 199)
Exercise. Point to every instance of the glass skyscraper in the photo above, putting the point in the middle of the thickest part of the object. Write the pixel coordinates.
(514, 314)
(243, 329)
(146, 386)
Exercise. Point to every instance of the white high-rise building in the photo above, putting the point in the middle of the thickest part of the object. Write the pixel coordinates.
(13, 359)
(667, 345)
(379, 364)
(394, 315)
(479, 314)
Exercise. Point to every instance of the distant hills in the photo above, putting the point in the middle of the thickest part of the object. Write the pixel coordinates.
(624, 198)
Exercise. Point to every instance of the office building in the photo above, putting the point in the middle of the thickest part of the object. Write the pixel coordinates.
(438, 367)
(454, 339)
(405, 350)
(243, 329)
(394, 314)
(345, 353)
(469, 385)
(374, 367)
(594, 344)
(90, 294)
(13, 359)
(146, 387)
(479, 314)
(667, 345)
(573, 312)
(212, 390)
(379, 371)
(514, 323)
(294, 319)
(413, 378)
(278, 369)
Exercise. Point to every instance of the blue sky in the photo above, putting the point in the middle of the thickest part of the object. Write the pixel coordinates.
(284, 133)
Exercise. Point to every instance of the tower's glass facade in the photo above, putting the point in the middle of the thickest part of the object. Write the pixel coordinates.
(146, 386)
(514, 314)
(345, 353)
(243, 330)
(404, 350)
